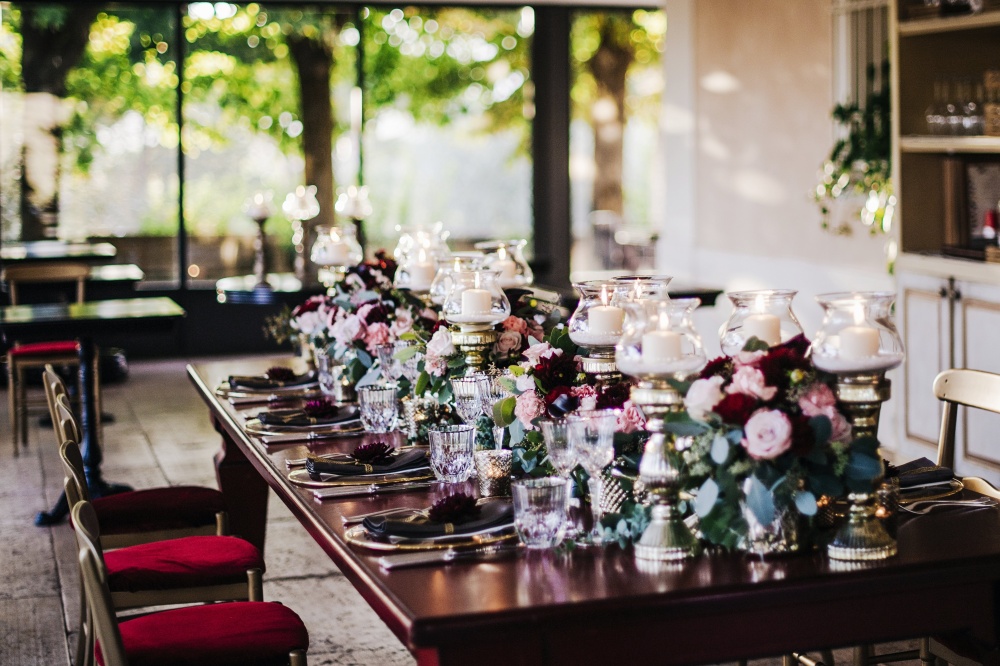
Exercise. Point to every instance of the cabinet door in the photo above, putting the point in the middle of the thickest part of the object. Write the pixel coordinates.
(923, 322)
(977, 332)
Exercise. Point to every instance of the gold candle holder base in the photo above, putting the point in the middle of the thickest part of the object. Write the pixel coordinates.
(475, 344)
(601, 365)
(862, 537)
(667, 538)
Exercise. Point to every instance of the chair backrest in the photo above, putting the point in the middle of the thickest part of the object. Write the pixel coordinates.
(65, 424)
(75, 481)
(47, 272)
(95, 584)
(981, 486)
(972, 388)
(54, 387)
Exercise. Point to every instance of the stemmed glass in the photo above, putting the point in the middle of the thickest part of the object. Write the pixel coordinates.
(392, 368)
(492, 391)
(592, 436)
(467, 402)
(563, 457)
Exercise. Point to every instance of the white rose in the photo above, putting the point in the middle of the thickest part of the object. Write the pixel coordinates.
(440, 344)
(703, 396)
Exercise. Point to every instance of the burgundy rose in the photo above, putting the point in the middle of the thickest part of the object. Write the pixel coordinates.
(613, 396)
(556, 370)
(377, 314)
(311, 304)
(722, 365)
(736, 408)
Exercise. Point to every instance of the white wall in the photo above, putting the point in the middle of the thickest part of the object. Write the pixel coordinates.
(747, 125)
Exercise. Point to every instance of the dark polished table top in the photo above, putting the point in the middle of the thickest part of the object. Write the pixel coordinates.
(83, 318)
(607, 607)
(51, 250)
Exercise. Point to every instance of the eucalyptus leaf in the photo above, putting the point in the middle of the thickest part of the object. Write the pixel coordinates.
(863, 467)
(720, 449)
(421, 386)
(735, 436)
(755, 344)
(365, 358)
(760, 502)
(366, 295)
(507, 384)
(503, 412)
(516, 430)
(685, 429)
(805, 502)
(822, 429)
(706, 498)
(406, 353)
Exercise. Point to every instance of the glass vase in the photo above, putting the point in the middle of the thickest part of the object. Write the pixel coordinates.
(506, 257)
(765, 314)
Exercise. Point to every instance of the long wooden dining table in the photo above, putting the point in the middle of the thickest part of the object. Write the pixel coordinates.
(600, 606)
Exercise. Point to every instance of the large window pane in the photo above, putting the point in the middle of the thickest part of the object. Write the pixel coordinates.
(615, 151)
(448, 131)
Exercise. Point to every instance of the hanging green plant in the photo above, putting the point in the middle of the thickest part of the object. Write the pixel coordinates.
(857, 174)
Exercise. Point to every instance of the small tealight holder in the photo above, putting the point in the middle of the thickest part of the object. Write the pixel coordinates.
(659, 345)
(765, 314)
(596, 325)
(475, 304)
(335, 250)
(493, 471)
(859, 343)
(416, 273)
(506, 257)
(456, 261)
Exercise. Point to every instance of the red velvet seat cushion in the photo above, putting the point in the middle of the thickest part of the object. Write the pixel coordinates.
(41, 348)
(170, 507)
(186, 562)
(243, 633)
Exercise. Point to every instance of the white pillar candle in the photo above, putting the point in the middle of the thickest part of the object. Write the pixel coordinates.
(507, 269)
(476, 302)
(605, 319)
(858, 342)
(764, 327)
(661, 346)
(421, 275)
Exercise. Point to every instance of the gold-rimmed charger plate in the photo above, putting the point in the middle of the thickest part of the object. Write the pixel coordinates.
(224, 390)
(352, 425)
(359, 536)
(937, 491)
(300, 477)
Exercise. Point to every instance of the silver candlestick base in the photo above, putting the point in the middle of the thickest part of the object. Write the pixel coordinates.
(600, 364)
(862, 537)
(667, 538)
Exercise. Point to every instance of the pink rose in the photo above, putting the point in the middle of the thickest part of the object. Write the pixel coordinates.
(507, 342)
(403, 322)
(377, 334)
(767, 434)
(751, 358)
(348, 329)
(703, 396)
(440, 344)
(817, 400)
(435, 365)
(515, 324)
(630, 419)
(529, 406)
(428, 313)
(750, 381)
(536, 353)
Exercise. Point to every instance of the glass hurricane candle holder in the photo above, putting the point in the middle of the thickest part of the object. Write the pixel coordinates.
(416, 273)
(639, 287)
(659, 339)
(456, 261)
(596, 322)
(765, 314)
(433, 240)
(475, 301)
(335, 250)
(506, 257)
(857, 334)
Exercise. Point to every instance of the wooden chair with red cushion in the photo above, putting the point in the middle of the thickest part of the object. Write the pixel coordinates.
(24, 357)
(225, 634)
(141, 516)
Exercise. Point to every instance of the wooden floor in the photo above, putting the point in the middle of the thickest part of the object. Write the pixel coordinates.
(161, 436)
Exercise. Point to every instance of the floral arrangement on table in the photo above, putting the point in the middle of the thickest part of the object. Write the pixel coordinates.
(362, 311)
(762, 435)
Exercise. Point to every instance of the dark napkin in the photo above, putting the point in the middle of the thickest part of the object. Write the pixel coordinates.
(265, 382)
(397, 463)
(919, 472)
(298, 417)
(491, 514)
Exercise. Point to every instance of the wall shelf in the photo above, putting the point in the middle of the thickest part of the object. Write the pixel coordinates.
(929, 26)
(984, 145)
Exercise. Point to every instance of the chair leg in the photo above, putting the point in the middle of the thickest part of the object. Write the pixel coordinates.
(222, 523)
(21, 400)
(12, 402)
(863, 655)
(926, 657)
(255, 590)
(297, 658)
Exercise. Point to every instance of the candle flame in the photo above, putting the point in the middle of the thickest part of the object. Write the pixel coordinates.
(422, 256)
(759, 304)
(604, 294)
(638, 290)
(859, 313)
(477, 279)
(501, 253)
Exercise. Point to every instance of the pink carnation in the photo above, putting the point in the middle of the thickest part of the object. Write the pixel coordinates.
(767, 434)
(630, 419)
(435, 365)
(750, 381)
(377, 334)
(529, 406)
(586, 394)
(817, 400)
(515, 324)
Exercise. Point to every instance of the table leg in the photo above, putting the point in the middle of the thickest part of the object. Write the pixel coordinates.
(90, 445)
(245, 491)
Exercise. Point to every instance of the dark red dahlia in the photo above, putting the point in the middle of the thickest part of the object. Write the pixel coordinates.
(311, 304)
(320, 408)
(372, 452)
(613, 396)
(280, 374)
(457, 508)
(556, 370)
(782, 360)
(722, 365)
(803, 437)
(736, 408)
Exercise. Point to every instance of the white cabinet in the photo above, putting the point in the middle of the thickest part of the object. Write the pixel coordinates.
(947, 323)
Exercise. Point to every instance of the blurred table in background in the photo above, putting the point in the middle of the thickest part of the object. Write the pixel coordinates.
(55, 250)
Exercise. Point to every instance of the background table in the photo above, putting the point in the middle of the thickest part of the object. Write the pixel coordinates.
(87, 321)
(605, 606)
(55, 250)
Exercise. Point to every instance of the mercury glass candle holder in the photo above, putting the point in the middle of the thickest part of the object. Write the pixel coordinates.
(596, 325)
(335, 250)
(456, 261)
(765, 314)
(475, 304)
(859, 343)
(506, 257)
(660, 344)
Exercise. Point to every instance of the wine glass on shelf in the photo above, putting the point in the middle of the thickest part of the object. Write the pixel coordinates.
(563, 457)
(592, 436)
(491, 392)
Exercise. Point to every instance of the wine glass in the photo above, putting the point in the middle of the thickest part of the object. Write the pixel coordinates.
(563, 457)
(467, 402)
(592, 436)
(492, 391)
(392, 367)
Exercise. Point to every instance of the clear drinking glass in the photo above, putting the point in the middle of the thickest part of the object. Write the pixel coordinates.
(563, 457)
(539, 511)
(392, 368)
(326, 371)
(492, 391)
(592, 436)
(451, 452)
(466, 390)
(378, 407)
